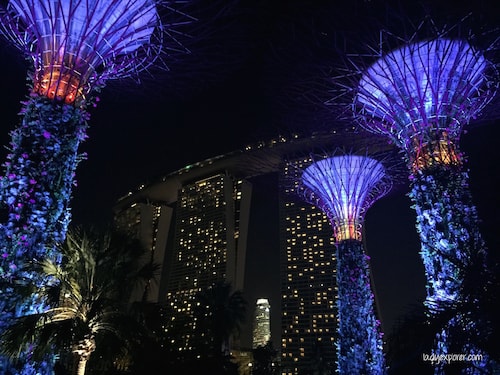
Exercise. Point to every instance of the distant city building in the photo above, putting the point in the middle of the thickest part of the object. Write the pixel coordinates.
(243, 358)
(261, 323)
(149, 221)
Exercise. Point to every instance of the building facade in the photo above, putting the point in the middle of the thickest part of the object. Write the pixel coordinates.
(206, 249)
(308, 287)
(197, 232)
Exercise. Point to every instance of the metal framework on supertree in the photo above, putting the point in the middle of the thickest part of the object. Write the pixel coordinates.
(420, 95)
(344, 185)
(75, 47)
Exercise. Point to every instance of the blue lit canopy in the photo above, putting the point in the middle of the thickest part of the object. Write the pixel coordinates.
(345, 187)
(77, 43)
(438, 84)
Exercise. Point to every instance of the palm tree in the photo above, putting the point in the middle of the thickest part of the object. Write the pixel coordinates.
(221, 313)
(88, 299)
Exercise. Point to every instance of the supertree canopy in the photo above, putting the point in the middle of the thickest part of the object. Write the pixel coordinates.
(420, 96)
(344, 187)
(75, 47)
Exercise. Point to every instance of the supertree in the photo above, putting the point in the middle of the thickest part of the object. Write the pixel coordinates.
(420, 94)
(75, 47)
(344, 185)
(418, 84)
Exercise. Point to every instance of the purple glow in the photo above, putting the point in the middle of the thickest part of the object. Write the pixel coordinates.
(345, 187)
(75, 43)
(437, 84)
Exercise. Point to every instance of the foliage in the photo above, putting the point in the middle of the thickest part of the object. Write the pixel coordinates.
(220, 314)
(412, 337)
(88, 300)
(455, 257)
(265, 360)
(416, 335)
(359, 343)
(36, 188)
(448, 225)
(39, 174)
(35, 192)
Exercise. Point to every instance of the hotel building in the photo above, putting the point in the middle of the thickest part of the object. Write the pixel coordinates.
(308, 287)
(196, 222)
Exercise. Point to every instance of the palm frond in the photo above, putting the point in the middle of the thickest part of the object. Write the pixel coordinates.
(20, 334)
(87, 295)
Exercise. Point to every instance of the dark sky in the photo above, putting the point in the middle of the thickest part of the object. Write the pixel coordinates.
(139, 133)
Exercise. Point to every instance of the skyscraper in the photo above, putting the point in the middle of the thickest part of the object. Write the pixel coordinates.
(308, 287)
(261, 323)
(206, 246)
(211, 216)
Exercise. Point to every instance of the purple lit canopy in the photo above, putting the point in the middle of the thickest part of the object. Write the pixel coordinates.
(429, 87)
(76, 44)
(345, 187)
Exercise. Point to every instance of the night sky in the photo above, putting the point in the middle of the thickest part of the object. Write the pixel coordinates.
(139, 133)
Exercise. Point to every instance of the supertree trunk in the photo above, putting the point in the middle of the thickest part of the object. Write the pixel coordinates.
(359, 342)
(36, 188)
(447, 222)
(75, 47)
(451, 249)
(35, 193)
